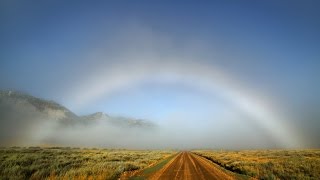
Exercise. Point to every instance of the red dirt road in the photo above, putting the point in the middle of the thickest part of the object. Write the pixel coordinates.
(189, 166)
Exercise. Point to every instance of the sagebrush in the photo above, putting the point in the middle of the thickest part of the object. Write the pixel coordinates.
(73, 163)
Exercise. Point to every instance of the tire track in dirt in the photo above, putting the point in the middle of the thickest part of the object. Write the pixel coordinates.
(188, 166)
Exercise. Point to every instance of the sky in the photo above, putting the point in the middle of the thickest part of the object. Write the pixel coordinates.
(231, 68)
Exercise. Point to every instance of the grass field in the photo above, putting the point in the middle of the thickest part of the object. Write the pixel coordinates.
(145, 174)
(73, 163)
(268, 164)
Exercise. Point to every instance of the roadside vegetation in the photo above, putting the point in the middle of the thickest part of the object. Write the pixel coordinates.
(147, 172)
(73, 163)
(268, 164)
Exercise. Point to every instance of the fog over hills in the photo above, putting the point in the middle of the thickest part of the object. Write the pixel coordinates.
(118, 121)
(26, 120)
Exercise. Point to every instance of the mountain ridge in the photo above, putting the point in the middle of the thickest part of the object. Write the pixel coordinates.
(43, 104)
(21, 113)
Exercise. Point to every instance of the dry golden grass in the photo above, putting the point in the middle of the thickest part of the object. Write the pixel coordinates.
(73, 163)
(269, 164)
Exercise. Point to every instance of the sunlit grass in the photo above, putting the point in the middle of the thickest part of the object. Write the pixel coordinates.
(269, 164)
(72, 163)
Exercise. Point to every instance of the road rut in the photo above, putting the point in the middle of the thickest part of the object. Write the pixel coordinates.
(189, 166)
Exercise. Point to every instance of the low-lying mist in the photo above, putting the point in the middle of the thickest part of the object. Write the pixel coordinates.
(29, 121)
(22, 124)
(103, 134)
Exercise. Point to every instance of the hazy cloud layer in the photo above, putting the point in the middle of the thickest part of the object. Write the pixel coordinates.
(23, 124)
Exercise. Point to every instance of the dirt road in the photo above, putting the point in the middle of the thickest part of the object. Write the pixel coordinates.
(189, 166)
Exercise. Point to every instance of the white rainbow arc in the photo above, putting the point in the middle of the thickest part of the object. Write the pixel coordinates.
(197, 75)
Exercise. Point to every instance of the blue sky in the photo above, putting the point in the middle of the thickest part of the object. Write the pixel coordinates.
(56, 50)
